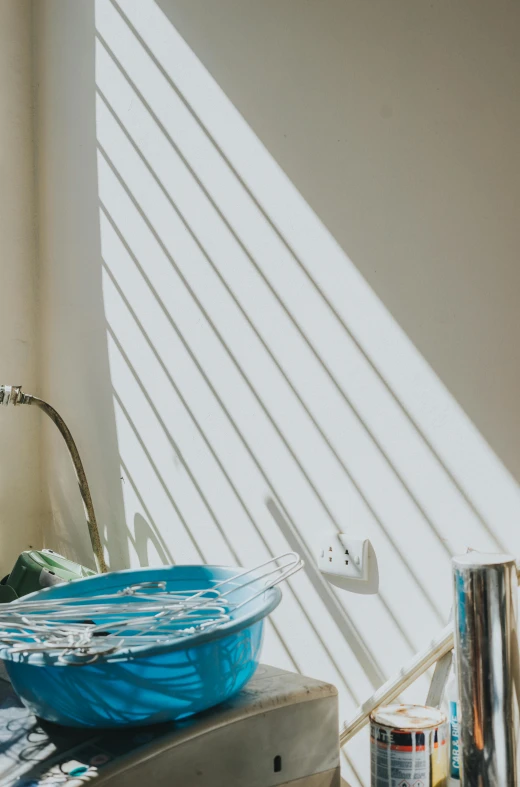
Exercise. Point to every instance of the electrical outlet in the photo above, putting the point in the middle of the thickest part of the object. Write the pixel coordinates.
(349, 563)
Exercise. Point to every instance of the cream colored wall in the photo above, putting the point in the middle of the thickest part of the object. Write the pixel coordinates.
(20, 500)
(75, 377)
(397, 123)
(278, 255)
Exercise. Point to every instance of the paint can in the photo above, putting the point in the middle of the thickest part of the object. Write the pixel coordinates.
(408, 747)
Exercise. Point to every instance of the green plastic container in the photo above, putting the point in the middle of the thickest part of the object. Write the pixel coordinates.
(37, 569)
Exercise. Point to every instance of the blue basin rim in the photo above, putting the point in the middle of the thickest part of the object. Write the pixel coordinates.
(263, 607)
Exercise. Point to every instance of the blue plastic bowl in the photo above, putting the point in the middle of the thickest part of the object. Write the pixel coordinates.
(149, 684)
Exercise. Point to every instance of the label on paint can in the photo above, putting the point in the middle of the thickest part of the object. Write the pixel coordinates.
(395, 768)
(408, 747)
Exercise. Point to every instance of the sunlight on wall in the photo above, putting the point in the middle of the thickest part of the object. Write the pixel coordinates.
(264, 396)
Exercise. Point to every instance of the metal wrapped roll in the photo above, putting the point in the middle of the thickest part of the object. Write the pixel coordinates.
(486, 645)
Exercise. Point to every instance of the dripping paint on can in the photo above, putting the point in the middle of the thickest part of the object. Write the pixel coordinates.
(409, 747)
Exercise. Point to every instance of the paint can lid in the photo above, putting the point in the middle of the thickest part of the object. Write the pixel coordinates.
(408, 717)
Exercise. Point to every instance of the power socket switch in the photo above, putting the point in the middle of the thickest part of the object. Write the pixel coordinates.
(350, 563)
(345, 556)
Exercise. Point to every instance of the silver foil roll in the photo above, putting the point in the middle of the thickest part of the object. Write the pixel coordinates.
(486, 646)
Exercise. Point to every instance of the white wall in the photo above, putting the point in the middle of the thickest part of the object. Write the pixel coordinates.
(75, 375)
(397, 123)
(20, 500)
(279, 281)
